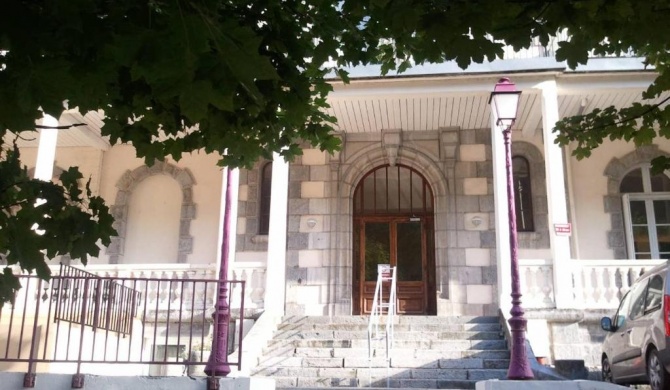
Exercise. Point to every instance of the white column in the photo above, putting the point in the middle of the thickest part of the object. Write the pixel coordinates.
(556, 199)
(235, 187)
(503, 254)
(275, 286)
(46, 151)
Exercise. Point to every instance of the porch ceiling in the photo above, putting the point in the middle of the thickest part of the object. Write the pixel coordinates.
(86, 135)
(438, 103)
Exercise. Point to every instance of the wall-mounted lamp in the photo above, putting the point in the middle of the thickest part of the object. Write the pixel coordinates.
(311, 222)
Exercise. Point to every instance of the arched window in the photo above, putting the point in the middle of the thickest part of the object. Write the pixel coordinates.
(646, 204)
(265, 196)
(523, 197)
(393, 189)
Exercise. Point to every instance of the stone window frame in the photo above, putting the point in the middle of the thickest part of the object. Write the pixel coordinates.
(539, 238)
(127, 184)
(615, 171)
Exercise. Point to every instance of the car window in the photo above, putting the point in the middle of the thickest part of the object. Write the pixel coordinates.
(654, 294)
(622, 313)
(638, 295)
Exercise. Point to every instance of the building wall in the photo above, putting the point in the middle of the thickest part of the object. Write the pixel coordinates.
(594, 210)
(457, 164)
(89, 161)
(199, 200)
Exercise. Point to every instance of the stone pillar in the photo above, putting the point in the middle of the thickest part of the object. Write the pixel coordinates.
(503, 256)
(46, 151)
(556, 199)
(275, 285)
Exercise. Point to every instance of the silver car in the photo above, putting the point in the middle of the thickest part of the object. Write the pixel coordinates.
(634, 350)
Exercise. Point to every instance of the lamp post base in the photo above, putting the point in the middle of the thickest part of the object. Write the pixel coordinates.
(217, 365)
(519, 366)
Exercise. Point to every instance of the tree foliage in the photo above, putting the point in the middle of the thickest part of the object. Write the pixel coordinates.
(249, 77)
(40, 218)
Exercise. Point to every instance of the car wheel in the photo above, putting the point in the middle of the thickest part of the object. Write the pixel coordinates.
(658, 377)
(606, 370)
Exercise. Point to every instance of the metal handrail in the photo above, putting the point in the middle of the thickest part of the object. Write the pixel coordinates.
(378, 306)
(49, 322)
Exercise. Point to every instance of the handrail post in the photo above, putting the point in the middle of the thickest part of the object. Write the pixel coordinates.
(78, 378)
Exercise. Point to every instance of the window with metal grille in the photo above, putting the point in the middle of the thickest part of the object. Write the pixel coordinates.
(523, 197)
(393, 190)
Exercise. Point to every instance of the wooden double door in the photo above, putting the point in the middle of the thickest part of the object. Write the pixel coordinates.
(406, 242)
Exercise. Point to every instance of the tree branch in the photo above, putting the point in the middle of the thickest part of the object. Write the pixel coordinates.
(632, 118)
(64, 127)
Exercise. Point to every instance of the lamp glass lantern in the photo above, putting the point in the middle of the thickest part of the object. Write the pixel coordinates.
(505, 102)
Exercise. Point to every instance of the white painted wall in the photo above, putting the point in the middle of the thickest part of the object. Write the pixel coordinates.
(589, 187)
(106, 168)
(152, 230)
(89, 161)
(206, 195)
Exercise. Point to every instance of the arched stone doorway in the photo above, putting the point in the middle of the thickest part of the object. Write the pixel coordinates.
(393, 222)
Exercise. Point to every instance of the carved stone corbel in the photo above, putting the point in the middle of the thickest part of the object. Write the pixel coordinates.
(391, 142)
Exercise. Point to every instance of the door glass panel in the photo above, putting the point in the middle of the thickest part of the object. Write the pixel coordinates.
(369, 194)
(662, 211)
(663, 235)
(622, 312)
(638, 213)
(641, 238)
(409, 251)
(637, 300)
(660, 183)
(632, 182)
(392, 191)
(377, 248)
(417, 193)
(405, 190)
(380, 190)
(654, 294)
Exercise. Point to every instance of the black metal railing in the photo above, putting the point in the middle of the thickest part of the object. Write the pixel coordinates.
(147, 323)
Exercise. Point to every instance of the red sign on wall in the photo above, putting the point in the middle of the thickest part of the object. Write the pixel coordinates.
(563, 229)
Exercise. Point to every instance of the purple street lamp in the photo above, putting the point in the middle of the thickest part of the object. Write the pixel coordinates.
(217, 365)
(505, 102)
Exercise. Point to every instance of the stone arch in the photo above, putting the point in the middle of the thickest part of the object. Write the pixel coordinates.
(615, 171)
(127, 183)
(540, 237)
(352, 171)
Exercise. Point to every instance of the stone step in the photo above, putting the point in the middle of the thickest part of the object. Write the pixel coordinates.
(490, 354)
(404, 381)
(427, 353)
(459, 345)
(397, 335)
(400, 320)
(438, 327)
(382, 362)
(367, 388)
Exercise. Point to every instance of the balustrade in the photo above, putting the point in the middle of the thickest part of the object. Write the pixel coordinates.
(594, 284)
(171, 294)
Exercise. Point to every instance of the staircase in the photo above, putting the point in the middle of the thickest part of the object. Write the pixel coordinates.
(428, 353)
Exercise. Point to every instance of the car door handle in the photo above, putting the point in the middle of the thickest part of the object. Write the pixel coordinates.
(627, 332)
